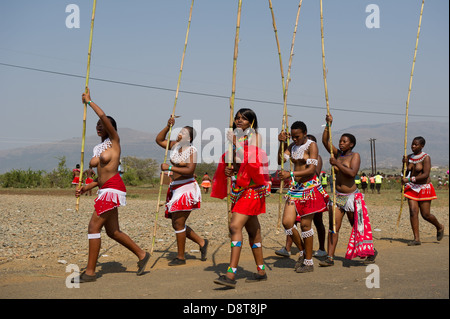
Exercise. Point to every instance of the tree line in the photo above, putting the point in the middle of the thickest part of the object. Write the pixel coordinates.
(136, 172)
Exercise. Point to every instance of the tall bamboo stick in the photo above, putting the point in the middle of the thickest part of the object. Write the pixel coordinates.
(83, 138)
(328, 112)
(170, 128)
(285, 86)
(232, 97)
(407, 110)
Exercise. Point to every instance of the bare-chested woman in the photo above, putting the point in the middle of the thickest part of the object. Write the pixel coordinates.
(306, 195)
(419, 190)
(111, 194)
(346, 165)
(184, 194)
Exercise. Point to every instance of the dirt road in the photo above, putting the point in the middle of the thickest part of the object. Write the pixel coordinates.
(40, 273)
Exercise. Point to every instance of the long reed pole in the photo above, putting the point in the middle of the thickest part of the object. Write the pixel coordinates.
(407, 109)
(158, 203)
(285, 86)
(83, 137)
(328, 112)
(232, 98)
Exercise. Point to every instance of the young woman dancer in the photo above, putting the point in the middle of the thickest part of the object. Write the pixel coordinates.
(183, 195)
(306, 196)
(76, 175)
(346, 164)
(318, 222)
(250, 177)
(111, 194)
(419, 190)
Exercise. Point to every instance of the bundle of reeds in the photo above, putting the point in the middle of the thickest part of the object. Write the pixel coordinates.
(285, 86)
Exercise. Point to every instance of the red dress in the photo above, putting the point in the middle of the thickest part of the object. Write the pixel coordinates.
(76, 179)
(250, 186)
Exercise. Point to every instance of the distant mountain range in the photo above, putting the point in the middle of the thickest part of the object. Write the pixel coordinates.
(389, 146)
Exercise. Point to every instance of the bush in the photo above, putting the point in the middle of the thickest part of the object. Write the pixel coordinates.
(139, 171)
(59, 177)
(23, 179)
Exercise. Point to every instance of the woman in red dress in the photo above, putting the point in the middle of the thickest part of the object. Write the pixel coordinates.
(249, 175)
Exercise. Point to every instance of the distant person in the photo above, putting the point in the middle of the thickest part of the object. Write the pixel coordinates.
(76, 175)
(324, 180)
(111, 195)
(372, 183)
(378, 181)
(206, 183)
(364, 182)
(346, 164)
(358, 181)
(440, 182)
(120, 168)
(419, 190)
(89, 174)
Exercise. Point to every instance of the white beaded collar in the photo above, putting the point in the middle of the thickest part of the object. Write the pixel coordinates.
(297, 152)
(100, 148)
(176, 157)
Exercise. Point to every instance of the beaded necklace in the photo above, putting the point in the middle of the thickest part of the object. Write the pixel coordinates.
(298, 151)
(100, 148)
(414, 159)
(176, 157)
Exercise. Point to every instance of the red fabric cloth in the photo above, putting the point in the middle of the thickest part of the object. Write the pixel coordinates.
(318, 203)
(108, 198)
(361, 242)
(249, 201)
(76, 180)
(188, 201)
(251, 182)
(426, 192)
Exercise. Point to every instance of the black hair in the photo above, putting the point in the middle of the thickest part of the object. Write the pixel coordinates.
(351, 137)
(299, 125)
(250, 116)
(113, 122)
(191, 133)
(420, 139)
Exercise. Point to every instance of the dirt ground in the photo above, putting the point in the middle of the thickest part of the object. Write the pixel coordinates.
(42, 237)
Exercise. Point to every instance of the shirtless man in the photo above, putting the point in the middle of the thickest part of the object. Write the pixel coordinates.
(419, 190)
(306, 195)
(346, 165)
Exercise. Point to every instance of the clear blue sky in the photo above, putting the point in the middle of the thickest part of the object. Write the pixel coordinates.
(141, 42)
